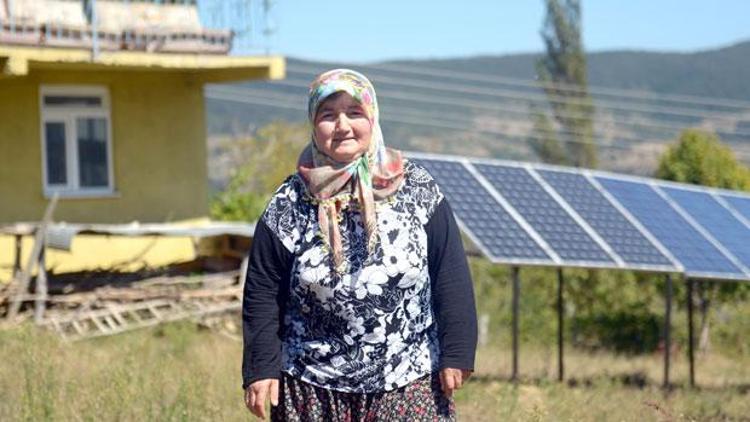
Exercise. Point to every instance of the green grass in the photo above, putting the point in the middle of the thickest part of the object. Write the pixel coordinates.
(181, 373)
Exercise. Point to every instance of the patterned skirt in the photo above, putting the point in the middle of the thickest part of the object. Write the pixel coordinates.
(421, 400)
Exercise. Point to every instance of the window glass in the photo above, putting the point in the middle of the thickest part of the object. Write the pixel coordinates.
(72, 101)
(57, 166)
(92, 152)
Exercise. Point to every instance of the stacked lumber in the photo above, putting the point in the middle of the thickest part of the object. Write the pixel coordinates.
(109, 310)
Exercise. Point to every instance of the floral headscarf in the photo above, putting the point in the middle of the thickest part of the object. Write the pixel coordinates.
(374, 176)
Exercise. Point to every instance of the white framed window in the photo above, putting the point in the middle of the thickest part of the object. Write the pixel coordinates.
(76, 140)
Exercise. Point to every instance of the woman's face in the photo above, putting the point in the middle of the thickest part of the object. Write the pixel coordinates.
(342, 128)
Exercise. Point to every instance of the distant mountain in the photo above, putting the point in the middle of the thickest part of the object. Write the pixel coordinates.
(721, 72)
(493, 120)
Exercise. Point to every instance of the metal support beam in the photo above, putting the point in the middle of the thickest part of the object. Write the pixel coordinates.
(691, 339)
(667, 330)
(516, 293)
(560, 309)
(94, 31)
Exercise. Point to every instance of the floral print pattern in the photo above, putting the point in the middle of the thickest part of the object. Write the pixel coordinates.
(371, 328)
(421, 400)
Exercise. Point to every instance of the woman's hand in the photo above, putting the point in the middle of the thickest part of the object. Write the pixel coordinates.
(452, 379)
(257, 393)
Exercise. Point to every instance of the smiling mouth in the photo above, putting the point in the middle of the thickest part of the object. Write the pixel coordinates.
(345, 139)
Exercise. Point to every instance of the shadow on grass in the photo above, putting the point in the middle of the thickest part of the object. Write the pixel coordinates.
(636, 380)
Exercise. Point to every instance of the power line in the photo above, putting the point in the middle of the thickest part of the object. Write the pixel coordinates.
(384, 93)
(460, 119)
(592, 89)
(296, 105)
(433, 123)
(540, 97)
(396, 119)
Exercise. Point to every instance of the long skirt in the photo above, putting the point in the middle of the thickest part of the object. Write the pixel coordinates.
(420, 400)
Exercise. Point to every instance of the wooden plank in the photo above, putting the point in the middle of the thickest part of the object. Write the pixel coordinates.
(77, 327)
(40, 303)
(21, 284)
(135, 315)
(104, 321)
(60, 331)
(98, 324)
(153, 310)
(17, 259)
(216, 278)
(111, 323)
(116, 315)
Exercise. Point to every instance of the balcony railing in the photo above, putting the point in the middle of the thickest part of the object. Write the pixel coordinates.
(109, 25)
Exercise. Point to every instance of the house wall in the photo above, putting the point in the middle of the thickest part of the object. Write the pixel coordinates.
(92, 252)
(158, 148)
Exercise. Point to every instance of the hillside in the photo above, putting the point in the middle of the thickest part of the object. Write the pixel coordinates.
(424, 111)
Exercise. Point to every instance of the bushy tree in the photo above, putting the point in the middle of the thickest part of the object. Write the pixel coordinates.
(266, 158)
(699, 158)
(545, 143)
(562, 73)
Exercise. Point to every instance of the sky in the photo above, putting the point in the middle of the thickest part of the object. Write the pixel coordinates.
(369, 31)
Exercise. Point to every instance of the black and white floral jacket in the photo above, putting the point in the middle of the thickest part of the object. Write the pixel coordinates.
(400, 312)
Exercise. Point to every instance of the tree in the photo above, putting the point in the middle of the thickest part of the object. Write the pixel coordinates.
(265, 160)
(699, 158)
(562, 73)
(545, 143)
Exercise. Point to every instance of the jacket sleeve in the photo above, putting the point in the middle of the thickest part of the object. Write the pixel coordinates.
(452, 290)
(265, 293)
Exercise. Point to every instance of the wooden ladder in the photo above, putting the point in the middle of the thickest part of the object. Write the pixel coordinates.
(115, 318)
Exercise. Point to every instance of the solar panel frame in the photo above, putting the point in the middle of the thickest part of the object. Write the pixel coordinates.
(567, 207)
(730, 200)
(554, 257)
(721, 195)
(561, 261)
(677, 265)
(674, 266)
(723, 200)
(465, 227)
(739, 275)
(661, 189)
(471, 233)
(617, 263)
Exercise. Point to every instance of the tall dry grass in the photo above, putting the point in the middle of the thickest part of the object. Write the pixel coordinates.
(181, 373)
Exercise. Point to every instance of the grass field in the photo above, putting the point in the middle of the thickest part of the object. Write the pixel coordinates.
(180, 372)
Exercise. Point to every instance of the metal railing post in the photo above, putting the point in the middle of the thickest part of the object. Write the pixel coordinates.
(94, 31)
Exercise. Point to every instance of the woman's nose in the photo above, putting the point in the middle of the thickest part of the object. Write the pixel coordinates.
(342, 122)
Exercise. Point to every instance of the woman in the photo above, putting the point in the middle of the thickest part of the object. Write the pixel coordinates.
(358, 300)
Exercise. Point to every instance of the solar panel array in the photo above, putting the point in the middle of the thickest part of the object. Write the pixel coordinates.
(535, 214)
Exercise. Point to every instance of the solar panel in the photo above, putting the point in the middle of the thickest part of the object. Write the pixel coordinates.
(481, 216)
(545, 215)
(739, 203)
(716, 219)
(611, 225)
(697, 255)
(523, 214)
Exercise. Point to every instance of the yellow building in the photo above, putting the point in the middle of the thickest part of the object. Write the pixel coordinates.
(110, 119)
